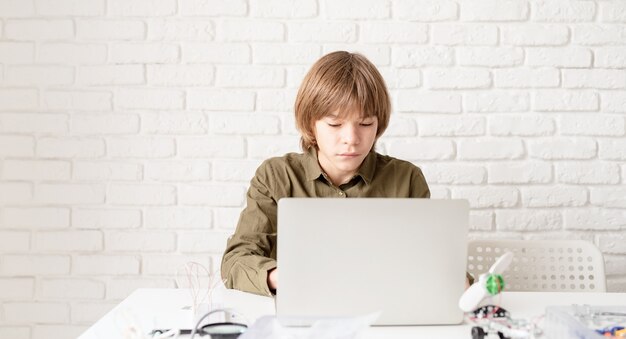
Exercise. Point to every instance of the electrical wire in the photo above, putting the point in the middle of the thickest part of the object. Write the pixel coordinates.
(225, 310)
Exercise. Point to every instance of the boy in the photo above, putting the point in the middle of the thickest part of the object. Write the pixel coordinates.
(341, 109)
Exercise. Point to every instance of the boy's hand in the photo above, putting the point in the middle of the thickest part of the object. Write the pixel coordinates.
(272, 279)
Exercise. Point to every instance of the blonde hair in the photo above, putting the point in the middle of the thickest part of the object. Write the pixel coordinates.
(340, 81)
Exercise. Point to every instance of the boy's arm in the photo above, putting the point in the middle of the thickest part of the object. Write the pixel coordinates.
(248, 255)
(419, 187)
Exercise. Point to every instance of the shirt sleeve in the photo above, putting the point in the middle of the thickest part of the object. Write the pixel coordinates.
(419, 187)
(250, 251)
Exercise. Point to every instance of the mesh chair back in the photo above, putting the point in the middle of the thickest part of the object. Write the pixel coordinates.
(542, 265)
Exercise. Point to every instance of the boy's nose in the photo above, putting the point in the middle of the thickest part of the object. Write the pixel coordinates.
(350, 135)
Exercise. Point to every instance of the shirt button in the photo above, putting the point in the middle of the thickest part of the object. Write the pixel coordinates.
(341, 193)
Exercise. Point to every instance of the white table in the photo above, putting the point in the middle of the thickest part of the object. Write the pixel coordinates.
(167, 308)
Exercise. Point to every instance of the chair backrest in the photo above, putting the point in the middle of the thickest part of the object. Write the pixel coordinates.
(542, 265)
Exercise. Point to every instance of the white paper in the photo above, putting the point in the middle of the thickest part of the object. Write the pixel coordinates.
(333, 328)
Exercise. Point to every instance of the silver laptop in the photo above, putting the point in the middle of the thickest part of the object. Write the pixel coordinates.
(351, 257)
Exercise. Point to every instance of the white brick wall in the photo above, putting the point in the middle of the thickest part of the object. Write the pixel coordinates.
(129, 130)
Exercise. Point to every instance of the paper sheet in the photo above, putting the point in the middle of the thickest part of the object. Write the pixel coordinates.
(337, 328)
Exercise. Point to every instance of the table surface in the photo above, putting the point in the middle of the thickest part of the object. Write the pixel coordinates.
(170, 308)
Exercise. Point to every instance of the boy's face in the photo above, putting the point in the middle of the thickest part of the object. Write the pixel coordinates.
(343, 142)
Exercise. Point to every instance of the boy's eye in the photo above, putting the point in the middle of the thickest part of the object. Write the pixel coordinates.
(333, 125)
(367, 124)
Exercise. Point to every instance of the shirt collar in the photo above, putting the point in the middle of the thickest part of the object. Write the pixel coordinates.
(311, 166)
(368, 167)
(314, 171)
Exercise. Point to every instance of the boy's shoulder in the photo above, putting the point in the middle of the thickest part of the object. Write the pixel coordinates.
(287, 160)
(288, 163)
(387, 162)
(281, 171)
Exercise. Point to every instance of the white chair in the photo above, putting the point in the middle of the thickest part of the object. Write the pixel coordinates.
(542, 265)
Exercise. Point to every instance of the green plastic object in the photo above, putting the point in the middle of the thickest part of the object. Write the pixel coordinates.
(494, 284)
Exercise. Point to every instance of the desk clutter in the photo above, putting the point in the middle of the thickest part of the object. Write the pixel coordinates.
(271, 327)
(482, 303)
(576, 321)
(585, 321)
(560, 322)
(488, 284)
(492, 319)
(489, 321)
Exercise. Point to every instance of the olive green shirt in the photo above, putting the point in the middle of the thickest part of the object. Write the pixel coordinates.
(251, 252)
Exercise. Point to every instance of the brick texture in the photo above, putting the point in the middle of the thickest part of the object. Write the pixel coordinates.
(130, 130)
